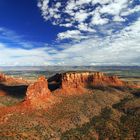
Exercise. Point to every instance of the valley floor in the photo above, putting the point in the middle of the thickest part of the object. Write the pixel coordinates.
(106, 113)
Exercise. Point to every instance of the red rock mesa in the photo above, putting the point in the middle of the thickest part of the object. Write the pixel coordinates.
(100, 79)
(83, 79)
(77, 82)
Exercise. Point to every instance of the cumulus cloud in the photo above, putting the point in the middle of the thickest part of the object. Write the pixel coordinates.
(101, 32)
(121, 48)
(86, 15)
(69, 34)
(73, 34)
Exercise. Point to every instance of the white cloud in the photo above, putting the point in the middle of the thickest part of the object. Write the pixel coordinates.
(85, 27)
(18, 56)
(81, 16)
(72, 34)
(131, 11)
(97, 20)
(16, 51)
(115, 7)
(121, 48)
(118, 19)
(71, 13)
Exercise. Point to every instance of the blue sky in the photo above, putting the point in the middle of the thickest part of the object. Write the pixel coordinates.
(69, 32)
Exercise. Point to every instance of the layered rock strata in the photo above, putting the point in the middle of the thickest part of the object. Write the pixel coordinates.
(84, 79)
(9, 80)
(39, 89)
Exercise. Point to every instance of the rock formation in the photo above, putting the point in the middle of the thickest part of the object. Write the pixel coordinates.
(2, 77)
(39, 96)
(77, 82)
(38, 89)
(100, 79)
(9, 80)
(84, 79)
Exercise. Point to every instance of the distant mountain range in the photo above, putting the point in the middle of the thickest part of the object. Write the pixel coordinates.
(58, 68)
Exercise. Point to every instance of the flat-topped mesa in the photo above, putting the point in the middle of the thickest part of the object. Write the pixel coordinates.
(76, 79)
(83, 79)
(100, 79)
(38, 89)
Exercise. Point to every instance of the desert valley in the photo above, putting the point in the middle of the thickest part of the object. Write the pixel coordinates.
(69, 69)
(72, 105)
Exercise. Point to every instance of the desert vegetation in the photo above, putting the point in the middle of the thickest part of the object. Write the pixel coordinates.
(99, 113)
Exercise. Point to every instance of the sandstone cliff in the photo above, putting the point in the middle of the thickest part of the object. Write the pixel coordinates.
(9, 80)
(78, 82)
(38, 95)
(101, 79)
(38, 89)
(84, 79)
(2, 77)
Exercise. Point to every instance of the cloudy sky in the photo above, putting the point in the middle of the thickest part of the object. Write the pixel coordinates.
(69, 32)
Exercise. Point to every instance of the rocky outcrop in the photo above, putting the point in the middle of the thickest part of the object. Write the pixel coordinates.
(2, 77)
(39, 96)
(9, 80)
(83, 79)
(38, 89)
(100, 79)
(75, 79)
(78, 82)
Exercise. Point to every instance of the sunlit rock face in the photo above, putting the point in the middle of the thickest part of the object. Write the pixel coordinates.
(10, 80)
(38, 89)
(76, 80)
(2, 77)
(100, 79)
(83, 79)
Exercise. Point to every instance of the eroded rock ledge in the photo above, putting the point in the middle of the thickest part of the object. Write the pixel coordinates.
(83, 79)
(70, 83)
(39, 94)
(9, 80)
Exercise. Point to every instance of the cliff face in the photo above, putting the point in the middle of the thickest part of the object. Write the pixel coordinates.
(75, 80)
(2, 77)
(38, 90)
(9, 80)
(84, 79)
(100, 79)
